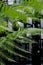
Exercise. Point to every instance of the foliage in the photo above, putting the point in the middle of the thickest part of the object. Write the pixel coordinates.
(11, 41)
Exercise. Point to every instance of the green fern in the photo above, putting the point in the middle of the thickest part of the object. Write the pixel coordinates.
(9, 44)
